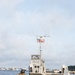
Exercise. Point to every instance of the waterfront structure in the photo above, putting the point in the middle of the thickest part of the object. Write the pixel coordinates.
(37, 64)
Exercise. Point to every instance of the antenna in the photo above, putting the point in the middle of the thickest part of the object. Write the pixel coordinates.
(40, 40)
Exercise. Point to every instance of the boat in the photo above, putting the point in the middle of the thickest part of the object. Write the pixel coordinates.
(37, 65)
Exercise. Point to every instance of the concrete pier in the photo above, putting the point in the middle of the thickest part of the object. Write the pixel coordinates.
(54, 74)
(46, 74)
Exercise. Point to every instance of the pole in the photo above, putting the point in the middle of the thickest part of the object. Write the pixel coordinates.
(40, 50)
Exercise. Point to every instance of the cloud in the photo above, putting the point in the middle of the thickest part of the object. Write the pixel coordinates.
(19, 30)
(7, 4)
(8, 8)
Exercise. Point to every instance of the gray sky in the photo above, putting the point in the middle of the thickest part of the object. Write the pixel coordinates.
(21, 21)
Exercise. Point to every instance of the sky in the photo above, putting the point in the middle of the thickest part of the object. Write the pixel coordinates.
(21, 21)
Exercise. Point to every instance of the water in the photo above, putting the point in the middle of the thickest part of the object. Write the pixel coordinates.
(13, 73)
(10, 72)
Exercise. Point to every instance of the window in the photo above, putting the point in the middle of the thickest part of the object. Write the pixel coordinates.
(38, 66)
(35, 66)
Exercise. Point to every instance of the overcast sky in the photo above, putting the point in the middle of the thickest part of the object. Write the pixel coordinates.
(21, 21)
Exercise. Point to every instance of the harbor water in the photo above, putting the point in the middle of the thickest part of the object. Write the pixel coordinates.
(14, 73)
(11, 72)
